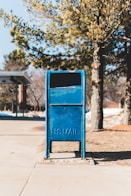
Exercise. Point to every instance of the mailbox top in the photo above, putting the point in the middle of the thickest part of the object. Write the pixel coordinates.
(64, 78)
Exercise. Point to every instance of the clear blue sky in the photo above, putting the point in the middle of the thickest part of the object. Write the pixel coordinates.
(5, 39)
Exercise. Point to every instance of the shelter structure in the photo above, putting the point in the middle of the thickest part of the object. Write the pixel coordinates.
(14, 77)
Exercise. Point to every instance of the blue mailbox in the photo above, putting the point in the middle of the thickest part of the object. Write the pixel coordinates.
(65, 108)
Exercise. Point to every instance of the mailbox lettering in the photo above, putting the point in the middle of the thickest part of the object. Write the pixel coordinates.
(67, 131)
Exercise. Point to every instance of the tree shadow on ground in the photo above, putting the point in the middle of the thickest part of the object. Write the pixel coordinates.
(111, 156)
(107, 156)
(22, 118)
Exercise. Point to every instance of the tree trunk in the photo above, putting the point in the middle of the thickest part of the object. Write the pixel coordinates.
(97, 89)
(127, 108)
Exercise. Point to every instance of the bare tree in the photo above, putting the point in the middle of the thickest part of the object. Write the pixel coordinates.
(36, 91)
(114, 90)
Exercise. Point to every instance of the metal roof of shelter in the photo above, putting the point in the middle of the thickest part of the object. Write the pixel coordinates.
(14, 77)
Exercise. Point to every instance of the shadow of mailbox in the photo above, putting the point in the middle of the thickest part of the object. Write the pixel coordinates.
(65, 108)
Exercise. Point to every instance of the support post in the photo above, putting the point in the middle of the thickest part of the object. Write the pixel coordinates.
(16, 99)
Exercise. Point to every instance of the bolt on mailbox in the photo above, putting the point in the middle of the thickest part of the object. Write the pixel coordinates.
(65, 108)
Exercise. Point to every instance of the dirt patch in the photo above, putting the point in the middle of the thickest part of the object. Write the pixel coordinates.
(121, 128)
(38, 128)
(108, 147)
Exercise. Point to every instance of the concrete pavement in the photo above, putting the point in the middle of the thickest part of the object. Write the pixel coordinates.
(23, 174)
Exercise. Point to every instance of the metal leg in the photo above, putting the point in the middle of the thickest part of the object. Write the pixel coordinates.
(47, 154)
(79, 146)
(83, 150)
(50, 146)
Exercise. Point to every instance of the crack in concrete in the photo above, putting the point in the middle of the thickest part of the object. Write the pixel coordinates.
(27, 180)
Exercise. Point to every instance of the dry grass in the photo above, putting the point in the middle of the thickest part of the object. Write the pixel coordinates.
(107, 147)
(111, 146)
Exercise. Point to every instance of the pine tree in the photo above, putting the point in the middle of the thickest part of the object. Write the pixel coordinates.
(89, 24)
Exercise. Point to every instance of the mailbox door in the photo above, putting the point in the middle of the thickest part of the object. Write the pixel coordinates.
(65, 123)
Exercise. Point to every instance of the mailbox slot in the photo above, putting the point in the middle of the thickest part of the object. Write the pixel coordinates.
(65, 80)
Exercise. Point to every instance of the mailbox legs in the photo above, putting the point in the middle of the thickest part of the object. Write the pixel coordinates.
(49, 149)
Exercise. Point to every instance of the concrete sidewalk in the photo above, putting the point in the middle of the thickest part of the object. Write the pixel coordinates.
(23, 174)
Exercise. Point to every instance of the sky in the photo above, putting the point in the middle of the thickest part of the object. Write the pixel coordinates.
(5, 39)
